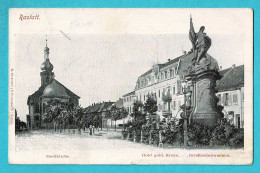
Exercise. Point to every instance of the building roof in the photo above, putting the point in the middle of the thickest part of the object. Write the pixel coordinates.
(222, 72)
(105, 105)
(37, 94)
(148, 72)
(129, 94)
(185, 62)
(55, 90)
(119, 103)
(69, 92)
(98, 107)
(233, 78)
(171, 61)
(163, 65)
(87, 108)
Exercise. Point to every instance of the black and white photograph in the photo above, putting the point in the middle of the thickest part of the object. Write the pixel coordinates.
(131, 86)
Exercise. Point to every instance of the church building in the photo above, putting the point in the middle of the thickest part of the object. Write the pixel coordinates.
(50, 89)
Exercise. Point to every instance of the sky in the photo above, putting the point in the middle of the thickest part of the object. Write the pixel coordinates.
(105, 67)
(104, 64)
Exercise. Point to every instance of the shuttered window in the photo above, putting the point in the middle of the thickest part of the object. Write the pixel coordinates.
(174, 105)
(226, 99)
(235, 101)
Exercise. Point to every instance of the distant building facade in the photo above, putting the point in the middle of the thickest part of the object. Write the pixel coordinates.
(128, 101)
(231, 94)
(160, 80)
(102, 112)
(99, 110)
(50, 89)
(119, 123)
(167, 77)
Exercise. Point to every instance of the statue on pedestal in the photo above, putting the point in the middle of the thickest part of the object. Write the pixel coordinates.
(203, 73)
(200, 42)
(200, 45)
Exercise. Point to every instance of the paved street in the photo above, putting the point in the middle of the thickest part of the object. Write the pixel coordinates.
(104, 147)
(51, 140)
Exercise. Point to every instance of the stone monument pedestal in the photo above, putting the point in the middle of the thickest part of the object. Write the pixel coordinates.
(204, 99)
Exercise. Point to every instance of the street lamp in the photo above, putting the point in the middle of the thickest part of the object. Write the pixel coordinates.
(185, 90)
(134, 105)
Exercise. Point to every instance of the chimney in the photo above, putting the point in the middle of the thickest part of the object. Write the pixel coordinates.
(220, 67)
(234, 65)
(169, 60)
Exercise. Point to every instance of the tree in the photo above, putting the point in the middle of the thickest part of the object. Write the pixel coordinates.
(136, 109)
(89, 119)
(138, 115)
(96, 119)
(115, 114)
(108, 115)
(77, 114)
(118, 113)
(167, 98)
(53, 110)
(150, 105)
(63, 114)
(123, 114)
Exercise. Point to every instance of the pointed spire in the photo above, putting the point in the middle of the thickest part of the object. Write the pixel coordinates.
(190, 17)
(46, 51)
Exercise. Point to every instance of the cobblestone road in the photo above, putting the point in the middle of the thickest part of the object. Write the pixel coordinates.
(51, 140)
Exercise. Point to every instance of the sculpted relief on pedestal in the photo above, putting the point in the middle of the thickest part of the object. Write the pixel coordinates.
(206, 99)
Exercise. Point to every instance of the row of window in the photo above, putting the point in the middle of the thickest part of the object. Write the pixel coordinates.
(129, 109)
(171, 90)
(173, 106)
(167, 74)
(227, 99)
(127, 99)
(161, 107)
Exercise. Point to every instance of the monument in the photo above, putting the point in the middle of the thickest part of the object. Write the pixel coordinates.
(203, 74)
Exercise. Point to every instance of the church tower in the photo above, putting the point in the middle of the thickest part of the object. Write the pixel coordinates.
(46, 75)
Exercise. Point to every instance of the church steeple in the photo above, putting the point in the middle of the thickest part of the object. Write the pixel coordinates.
(46, 75)
(46, 51)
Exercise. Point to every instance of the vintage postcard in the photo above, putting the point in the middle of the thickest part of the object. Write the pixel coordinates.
(131, 86)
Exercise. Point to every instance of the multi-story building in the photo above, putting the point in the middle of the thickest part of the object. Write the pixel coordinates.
(99, 110)
(128, 101)
(165, 79)
(160, 80)
(231, 94)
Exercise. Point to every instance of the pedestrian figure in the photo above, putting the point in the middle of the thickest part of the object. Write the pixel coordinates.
(90, 130)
